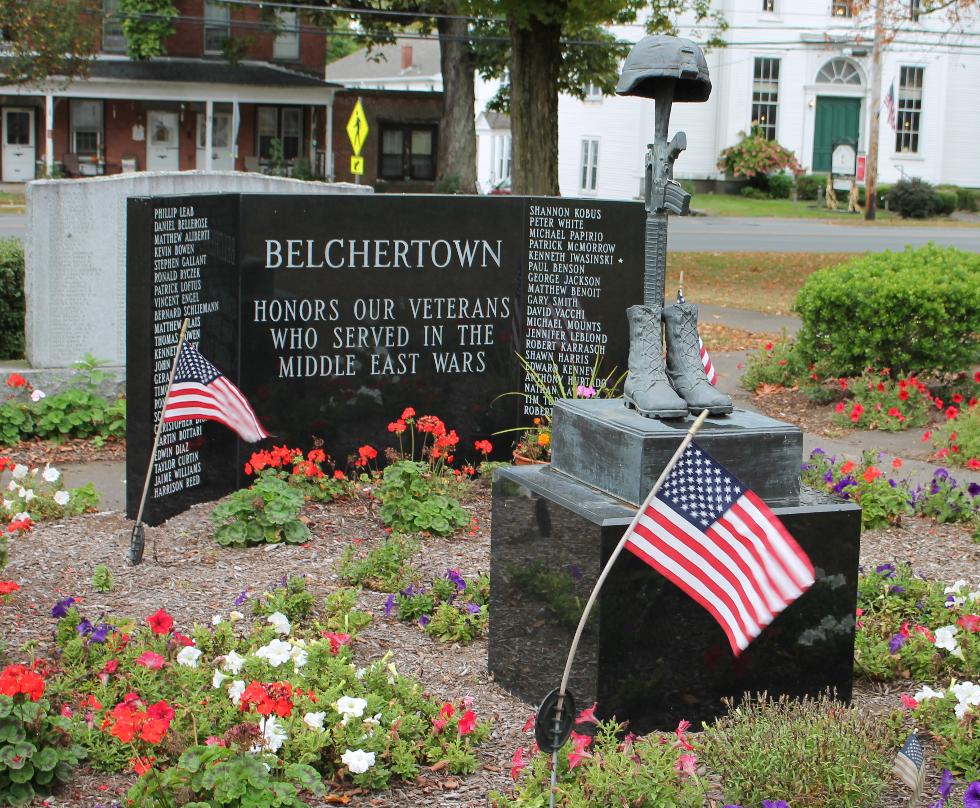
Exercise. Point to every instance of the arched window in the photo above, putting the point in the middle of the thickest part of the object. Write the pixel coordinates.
(839, 71)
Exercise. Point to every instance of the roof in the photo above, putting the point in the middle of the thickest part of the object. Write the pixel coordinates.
(496, 120)
(385, 62)
(200, 71)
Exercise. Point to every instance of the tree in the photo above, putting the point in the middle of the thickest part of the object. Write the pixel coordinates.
(559, 46)
(147, 25)
(48, 38)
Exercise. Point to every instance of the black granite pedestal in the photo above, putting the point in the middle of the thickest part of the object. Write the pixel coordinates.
(650, 654)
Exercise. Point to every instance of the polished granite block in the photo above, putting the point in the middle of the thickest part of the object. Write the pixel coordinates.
(602, 443)
(649, 653)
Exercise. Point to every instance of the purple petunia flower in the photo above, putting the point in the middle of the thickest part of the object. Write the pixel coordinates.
(85, 627)
(241, 598)
(410, 591)
(886, 570)
(945, 785)
(424, 620)
(940, 474)
(472, 608)
(574, 570)
(775, 804)
(974, 489)
(896, 643)
(845, 482)
(829, 476)
(456, 578)
(389, 605)
(100, 633)
(892, 483)
(897, 590)
(817, 451)
(971, 799)
(60, 609)
(920, 605)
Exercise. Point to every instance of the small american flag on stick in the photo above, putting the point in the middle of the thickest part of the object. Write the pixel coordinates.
(707, 533)
(910, 766)
(709, 369)
(200, 391)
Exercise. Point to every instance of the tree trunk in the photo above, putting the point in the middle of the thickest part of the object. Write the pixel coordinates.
(535, 63)
(456, 162)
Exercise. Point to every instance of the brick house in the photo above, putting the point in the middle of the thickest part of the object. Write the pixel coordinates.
(192, 109)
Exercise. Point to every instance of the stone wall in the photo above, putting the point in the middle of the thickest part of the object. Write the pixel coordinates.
(76, 254)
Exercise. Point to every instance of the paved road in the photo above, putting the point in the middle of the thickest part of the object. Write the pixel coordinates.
(730, 234)
(13, 224)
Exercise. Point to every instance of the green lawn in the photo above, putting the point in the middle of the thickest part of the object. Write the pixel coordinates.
(11, 203)
(755, 281)
(734, 205)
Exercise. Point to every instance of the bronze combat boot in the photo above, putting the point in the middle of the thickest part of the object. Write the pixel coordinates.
(647, 389)
(684, 366)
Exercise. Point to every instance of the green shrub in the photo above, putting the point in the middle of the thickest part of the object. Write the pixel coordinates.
(812, 752)
(947, 202)
(412, 502)
(754, 155)
(808, 186)
(751, 192)
(966, 199)
(11, 299)
(914, 199)
(268, 511)
(917, 310)
(775, 363)
(384, 568)
(780, 186)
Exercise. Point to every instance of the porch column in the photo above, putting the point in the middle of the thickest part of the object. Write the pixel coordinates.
(49, 133)
(234, 134)
(208, 126)
(328, 146)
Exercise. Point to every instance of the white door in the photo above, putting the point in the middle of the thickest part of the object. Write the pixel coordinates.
(162, 142)
(18, 144)
(221, 159)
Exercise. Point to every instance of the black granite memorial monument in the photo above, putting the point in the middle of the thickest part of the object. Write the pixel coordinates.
(334, 313)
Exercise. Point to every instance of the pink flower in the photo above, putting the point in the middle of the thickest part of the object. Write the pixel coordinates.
(529, 724)
(908, 702)
(686, 764)
(517, 763)
(587, 716)
(150, 660)
(467, 722)
(682, 727)
(576, 756)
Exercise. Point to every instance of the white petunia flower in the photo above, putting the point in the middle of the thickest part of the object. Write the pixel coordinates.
(350, 707)
(61, 498)
(20, 517)
(280, 623)
(51, 474)
(216, 620)
(188, 656)
(235, 616)
(37, 395)
(28, 495)
(275, 652)
(217, 679)
(928, 693)
(966, 692)
(314, 720)
(961, 710)
(19, 471)
(233, 662)
(8, 504)
(372, 722)
(946, 639)
(954, 589)
(360, 673)
(235, 690)
(12, 485)
(358, 761)
(273, 733)
(299, 657)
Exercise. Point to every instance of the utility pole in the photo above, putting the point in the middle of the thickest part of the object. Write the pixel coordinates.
(871, 181)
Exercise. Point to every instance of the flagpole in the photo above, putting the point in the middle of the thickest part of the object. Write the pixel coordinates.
(559, 704)
(156, 440)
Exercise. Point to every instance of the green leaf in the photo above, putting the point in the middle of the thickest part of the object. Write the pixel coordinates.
(46, 759)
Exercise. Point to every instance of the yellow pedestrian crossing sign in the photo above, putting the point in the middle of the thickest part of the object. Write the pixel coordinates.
(357, 129)
(356, 164)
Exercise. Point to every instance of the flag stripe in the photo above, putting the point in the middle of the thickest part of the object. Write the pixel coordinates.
(709, 369)
(754, 556)
(745, 525)
(794, 559)
(642, 548)
(698, 560)
(718, 553)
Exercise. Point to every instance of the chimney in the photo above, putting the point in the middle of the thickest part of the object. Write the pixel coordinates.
(406, 57)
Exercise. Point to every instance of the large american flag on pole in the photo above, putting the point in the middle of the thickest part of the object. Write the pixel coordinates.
(715, 539)
(890, 106)
(709, 369)
(200, 391)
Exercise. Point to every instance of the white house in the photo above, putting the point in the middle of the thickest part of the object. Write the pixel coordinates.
(801, 71)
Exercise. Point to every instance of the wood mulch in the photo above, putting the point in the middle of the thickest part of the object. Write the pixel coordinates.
(789, 404)
(193, 579)
(35, 453)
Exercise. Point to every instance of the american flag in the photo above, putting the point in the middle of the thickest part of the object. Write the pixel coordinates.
(715, 539)
(200, 391)
(890, 106)
(910, 765)
(709, 369)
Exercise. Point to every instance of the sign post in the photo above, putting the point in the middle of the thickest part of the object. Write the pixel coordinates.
(357, 131)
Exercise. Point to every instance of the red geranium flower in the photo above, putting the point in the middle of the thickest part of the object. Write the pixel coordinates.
(8, 587)
(871, 474)
(317, 456)
(847, 468)
(160, 622)
(409, 412)
(18, 679)
(467, 722)
(16, 380)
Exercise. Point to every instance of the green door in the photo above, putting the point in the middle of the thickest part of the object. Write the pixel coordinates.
(837, 119)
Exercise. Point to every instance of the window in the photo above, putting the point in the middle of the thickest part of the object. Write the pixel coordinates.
(765, 96)
(909, 117)
(593, 92)
(286, 45)
(501, 157)
(842, 8)
(589, 174)
(915, 8)
(284, 124)
(769, 5)
(86, 127)
(839, 71)
(408, 152)
(113, 38)
(217, 26)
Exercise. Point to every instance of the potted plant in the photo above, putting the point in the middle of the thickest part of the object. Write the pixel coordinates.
(534, 444)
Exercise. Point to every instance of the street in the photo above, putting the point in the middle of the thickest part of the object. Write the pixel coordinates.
(13, 224)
